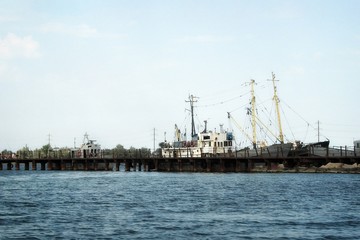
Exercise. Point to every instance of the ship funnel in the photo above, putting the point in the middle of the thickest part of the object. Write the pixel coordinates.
(221, 128)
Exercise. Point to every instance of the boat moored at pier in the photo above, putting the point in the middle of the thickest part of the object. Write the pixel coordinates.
(205, 144)
(89, 149)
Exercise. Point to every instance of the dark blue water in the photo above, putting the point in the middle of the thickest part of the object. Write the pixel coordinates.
(138, 205)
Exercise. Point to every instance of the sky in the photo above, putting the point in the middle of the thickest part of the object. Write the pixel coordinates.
(122, 70)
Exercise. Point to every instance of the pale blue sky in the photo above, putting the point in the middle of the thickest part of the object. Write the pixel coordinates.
(119, 69)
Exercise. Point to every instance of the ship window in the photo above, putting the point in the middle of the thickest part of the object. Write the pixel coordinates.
(206, 137)
(221, 144)
(225, 144)
(358, 145)
(209, 144)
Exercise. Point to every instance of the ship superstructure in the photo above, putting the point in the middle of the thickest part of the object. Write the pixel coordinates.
(89, 149)
(203, 144)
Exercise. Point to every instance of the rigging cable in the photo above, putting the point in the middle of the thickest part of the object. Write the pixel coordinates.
(225, 101)
(309, 124)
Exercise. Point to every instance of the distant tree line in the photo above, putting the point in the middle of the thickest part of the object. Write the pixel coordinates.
(47, 151)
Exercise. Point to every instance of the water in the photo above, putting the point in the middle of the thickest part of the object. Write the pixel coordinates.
(141, 205)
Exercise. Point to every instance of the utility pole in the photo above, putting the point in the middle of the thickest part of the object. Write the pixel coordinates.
(192, 101)
(49, 139)
(49, 142)
(154, 140)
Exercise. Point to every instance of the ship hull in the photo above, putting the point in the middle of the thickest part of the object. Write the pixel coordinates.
(274, 150)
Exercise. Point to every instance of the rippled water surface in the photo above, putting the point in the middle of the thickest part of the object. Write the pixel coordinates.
(142, 205)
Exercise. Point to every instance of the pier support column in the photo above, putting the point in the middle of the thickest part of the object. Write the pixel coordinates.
(9, 166)
(194, 165)
(49, 166)
(167, 164)
(237, 165)
(17, 166)
(74, 165)
(134, 164)
(146, 166)
(117, 165)
(95, 164)
(157, 164)
(140, 165)
(268, 165)
(86, 165)
(43, 166)
(1, 166)
(208, 165)
(222, 165)
(127, 165)
(33, 165)
(250, 165)
(180, 165)
(27, 166)
(62, 165)
(106, 163)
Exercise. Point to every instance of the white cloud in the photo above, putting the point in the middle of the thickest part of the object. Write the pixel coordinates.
(81, 30)
(205, 39)
(13, 46)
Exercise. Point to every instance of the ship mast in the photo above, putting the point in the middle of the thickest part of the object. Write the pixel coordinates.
(192, 101)
(253, 116)
(277, 101)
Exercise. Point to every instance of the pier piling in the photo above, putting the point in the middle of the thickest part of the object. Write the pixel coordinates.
(33, 165)
(27, 166)
(17, 166)
(43, 166)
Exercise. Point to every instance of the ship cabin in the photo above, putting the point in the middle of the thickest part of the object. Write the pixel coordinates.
(207, 144)
(357, 147)
(214, 143)
(357, 144)
(89, 149)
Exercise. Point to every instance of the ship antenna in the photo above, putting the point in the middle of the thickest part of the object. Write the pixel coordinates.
(192, 101)
(277, 101)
